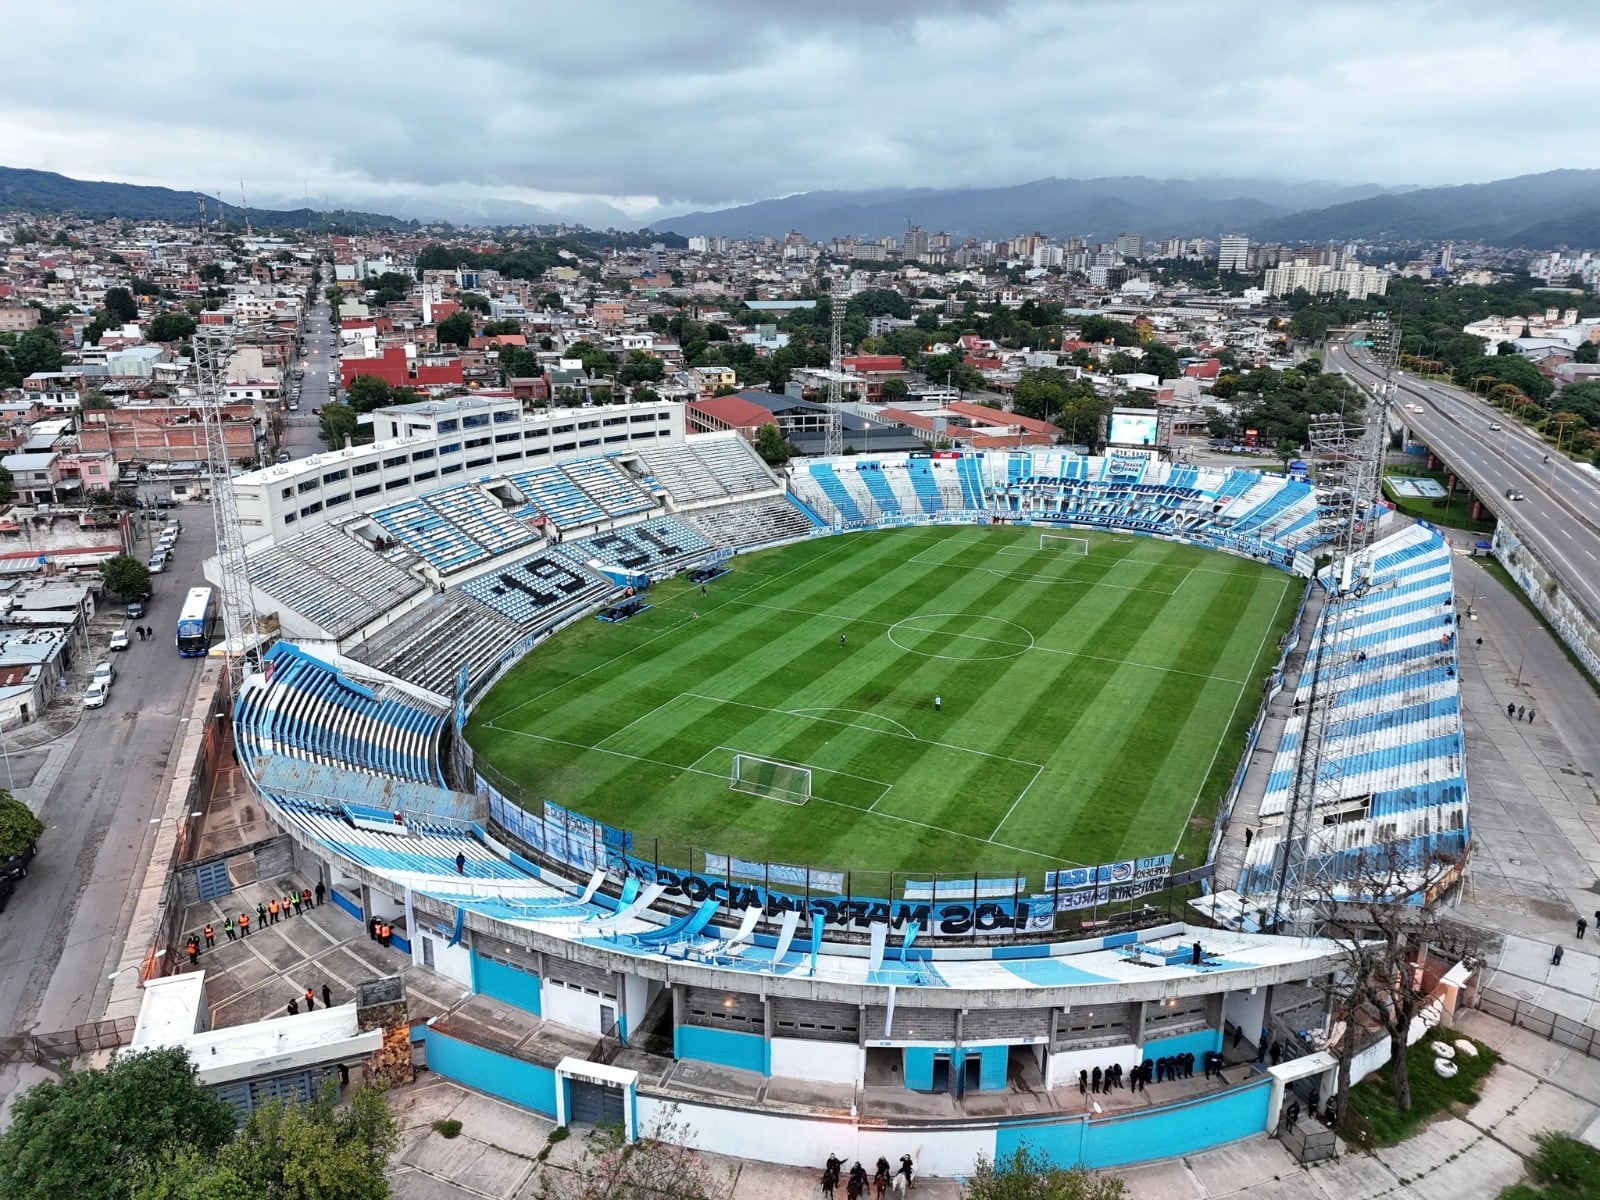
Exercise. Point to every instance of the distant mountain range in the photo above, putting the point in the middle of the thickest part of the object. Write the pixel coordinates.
(1535, 211)
(1546, 210)
(1094, 208)
(47, 192)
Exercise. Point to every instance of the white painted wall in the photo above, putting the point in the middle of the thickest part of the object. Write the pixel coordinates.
(577, 1009)
(635, 1000)
(807, 1142)
(453, 962)
(1064, 1065)
(822, 1062)
(1246, 1011)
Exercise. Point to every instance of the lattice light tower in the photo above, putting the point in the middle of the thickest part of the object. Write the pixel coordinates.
(833, 436)
(213, 345)
(1348, 448)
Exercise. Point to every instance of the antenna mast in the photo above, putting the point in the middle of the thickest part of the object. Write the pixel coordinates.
(833, 437)
(213, 346)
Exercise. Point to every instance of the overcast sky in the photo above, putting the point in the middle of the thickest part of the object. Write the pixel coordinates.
(702, 103)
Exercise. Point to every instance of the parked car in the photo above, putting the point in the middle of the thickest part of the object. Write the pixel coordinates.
(104, 669)
(94, 696)
(16, 867)
(158, 562)
(6, 889)
(119, 640)
(135, 609)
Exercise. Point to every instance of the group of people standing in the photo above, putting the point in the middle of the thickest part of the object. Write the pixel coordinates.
(1152, 1070)
(856, 1183)
(266, 914)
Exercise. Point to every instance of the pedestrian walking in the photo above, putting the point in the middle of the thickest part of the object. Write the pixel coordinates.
(1519, 712)
(938, 704)
(841, 639)
(327, 996)
(461, 862)
(1480, 641)
(702, 589)
(1555, 959)
(244, 924)
(194, 950)
(1511, 710)
(321, 892)
(1530, 716)
(211, 937)
(227, 928)
(1249, 836)
(293, 1008)
(311, 1000)
(1583, 926)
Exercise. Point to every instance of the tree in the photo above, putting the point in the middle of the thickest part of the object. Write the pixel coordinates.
(340, 422)
(1160, 361)
(125, 576)
(120, 305)
(316, 1151)
(641, 368)
(213, 272)
(1587, 352)
(88, 1135)
(475, 301)
(367, 392)
(894, 390)
(19, 828)
(658, 1166)
(1503, 369)
(1380, 918)
(595, 360)
(173, 326)
(37, 350)
(1029, 1174)
(94, 399)
(454, 330)
(7, 489)
(770, 445)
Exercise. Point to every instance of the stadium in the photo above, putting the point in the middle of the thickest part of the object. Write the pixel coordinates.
(850, 808)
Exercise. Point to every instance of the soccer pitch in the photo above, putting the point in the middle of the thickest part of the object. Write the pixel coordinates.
(1092, 705)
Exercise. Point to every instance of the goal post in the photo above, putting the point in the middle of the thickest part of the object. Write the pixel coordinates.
(1066, 542)
(770, 778)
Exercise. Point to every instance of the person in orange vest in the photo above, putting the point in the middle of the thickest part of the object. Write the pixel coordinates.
(194, 950)
(383, 933)
(283, 907)
(244, 924)
(311, 1000)
(272, 912)
(305, 897)
(211, 937)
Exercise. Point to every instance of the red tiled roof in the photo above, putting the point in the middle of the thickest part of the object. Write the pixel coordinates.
(733, 411)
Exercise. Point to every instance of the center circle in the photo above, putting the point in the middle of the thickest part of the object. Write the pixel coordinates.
(960, 636)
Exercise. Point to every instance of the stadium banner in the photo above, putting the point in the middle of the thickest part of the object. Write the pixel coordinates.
(463, 681)
(745, 868)
(572, 837)
(1126, 871)
(942, 919)
(1107, 894)
(963, 889)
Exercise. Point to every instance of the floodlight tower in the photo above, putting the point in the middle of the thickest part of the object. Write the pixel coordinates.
(213, 345)
(833, 437)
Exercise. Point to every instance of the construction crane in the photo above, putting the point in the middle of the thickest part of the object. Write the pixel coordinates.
(213, 347)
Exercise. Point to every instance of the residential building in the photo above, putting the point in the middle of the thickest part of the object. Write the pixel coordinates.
(1233, 253)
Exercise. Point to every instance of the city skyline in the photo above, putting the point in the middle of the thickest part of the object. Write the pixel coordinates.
(705, 104)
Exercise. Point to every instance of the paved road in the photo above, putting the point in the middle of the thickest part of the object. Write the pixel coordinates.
(96, 789)
(1560, 515)
(301, 429)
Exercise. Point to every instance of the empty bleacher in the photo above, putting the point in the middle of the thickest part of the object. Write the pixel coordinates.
(312, 710)
(532, 590)
(332, 580)
(430, 534)
(713, 466)
(481, 518)
(605, 482)
(552, 492)
(430, 643)
(648, 547)
(753, 523)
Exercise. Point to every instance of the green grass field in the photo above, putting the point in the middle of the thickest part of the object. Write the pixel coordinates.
(1094, 705)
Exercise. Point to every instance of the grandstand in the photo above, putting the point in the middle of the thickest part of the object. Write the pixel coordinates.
(330, 581)
(712, 467)
(532, 590)
(429, 644)
(742, 526)
(1393, 771)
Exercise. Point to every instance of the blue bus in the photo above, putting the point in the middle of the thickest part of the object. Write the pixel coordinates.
(196, 623)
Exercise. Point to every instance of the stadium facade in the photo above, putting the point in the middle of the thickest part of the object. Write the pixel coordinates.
(781, 1018)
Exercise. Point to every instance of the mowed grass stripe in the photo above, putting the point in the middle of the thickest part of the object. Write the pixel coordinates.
(1103, 790)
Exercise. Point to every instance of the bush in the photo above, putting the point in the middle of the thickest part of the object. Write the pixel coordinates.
(1563, 1168)
(1431, 1093)
(559, 1134)
(448, 1128)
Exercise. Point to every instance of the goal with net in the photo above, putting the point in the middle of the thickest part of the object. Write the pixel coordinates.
(1065, 542)
(770, 778)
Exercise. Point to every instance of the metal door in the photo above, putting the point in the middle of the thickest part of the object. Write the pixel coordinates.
(594, 1104)
(211, 880)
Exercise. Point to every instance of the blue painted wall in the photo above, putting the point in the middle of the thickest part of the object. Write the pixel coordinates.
(747, 1051)
(344, 902)
(1196, 1043)
(508, 1078)
(992, 1071)
(917, 1065)
(520, 989)
(1157, 1133)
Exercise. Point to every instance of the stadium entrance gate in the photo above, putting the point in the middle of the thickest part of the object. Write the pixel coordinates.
(595, 1103)
(595, 1092)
